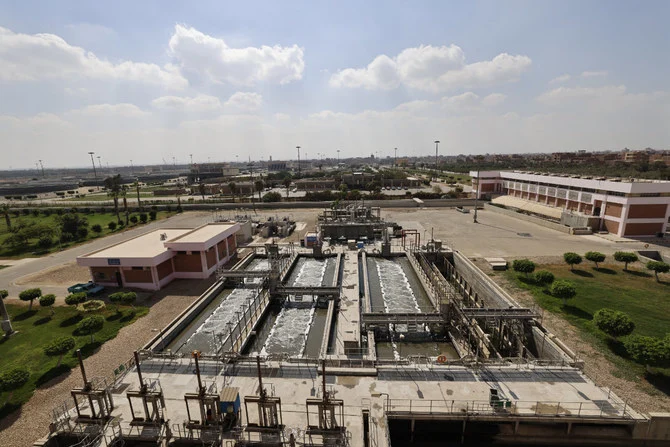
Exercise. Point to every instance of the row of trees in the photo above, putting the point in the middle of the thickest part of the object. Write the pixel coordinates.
(626, 257)
(560, 288)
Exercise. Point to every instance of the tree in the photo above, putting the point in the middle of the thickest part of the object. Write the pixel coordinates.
(544, 277)
(233, 189)
(48, 301)
(595, 257)
(152, 215)
(272, 196)
(97, 228)
(12, 380)
(564, 290)
(259, 186)
(648, 351)
(111, 226)
(143, 217)
(136, 184)
(116, 299)
(626, 257)
(72, 224)
(658, 267)
(60, 347)
(133, 219)
(114, 186)
(572, 259)
(45, 242)
(613, 322)
(30, 295)
(5, 209)
(201, 189)
(91, 325)
(287, 184)
(4, 314)
(525, 266)
(129, 299)
(75, 298)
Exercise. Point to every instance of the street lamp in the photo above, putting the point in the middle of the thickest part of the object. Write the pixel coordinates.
(131, 167)
(395, 157)
(338, 156)
(437, 142)
(95, 174)
(42, 166)
(99, 163)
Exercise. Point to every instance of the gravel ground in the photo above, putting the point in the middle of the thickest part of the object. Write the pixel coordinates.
(597, 366)
(31, 422)
(60, 275)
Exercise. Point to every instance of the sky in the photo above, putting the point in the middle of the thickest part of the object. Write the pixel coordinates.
(156, 81)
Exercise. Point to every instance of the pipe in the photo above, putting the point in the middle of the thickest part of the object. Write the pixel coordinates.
(323, 375)
(83, 370)
(201, 390)
(139, 371)
(260, 378)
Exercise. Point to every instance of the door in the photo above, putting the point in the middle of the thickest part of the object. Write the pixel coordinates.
(119, 280)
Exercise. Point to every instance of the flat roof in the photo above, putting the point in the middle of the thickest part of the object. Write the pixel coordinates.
(202, 234)
(148, 245)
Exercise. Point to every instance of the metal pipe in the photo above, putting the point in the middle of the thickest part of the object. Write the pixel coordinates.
(81, 366)
(139, 371)
(323, 375)
(201, 390)
(260, 377)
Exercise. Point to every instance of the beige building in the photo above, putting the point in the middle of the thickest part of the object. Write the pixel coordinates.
(152, 260)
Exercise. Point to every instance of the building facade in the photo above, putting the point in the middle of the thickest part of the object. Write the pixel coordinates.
(625, 208)
(152, 260)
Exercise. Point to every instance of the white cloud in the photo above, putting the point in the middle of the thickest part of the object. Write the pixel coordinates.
(244, 102)
(560, 79)
(123, 110)
(211, 57)
(563, 95)
(32, 57)
(196, 104)
(594, 74)
(432, 69)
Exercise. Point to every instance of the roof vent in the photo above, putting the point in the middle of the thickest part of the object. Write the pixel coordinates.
(163, 236)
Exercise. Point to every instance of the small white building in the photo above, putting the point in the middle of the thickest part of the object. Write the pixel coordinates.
(152, 260)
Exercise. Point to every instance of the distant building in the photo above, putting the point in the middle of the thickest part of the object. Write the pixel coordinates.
(152, 260)
(636, 157)
(625, 208)
(357, 179)
(316, 184)
(274, 166)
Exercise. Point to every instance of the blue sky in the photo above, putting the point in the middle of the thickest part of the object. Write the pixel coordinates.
(155, 79)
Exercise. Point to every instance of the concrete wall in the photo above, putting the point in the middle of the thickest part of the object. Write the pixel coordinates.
(486, 289)
(188, 263)
(527, 218)
(580, 221)
(546, 347)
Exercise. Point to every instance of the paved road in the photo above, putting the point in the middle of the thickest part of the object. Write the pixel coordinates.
(9, 275)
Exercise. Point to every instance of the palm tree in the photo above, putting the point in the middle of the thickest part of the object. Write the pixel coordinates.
(259, 185)
(4, 209)
(114, 187)
(287, 184)
(137, 188)
(201, 189)
(233, 189)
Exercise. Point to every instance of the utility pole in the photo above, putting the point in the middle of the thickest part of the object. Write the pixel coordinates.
(395, 157)
(191, 155)
(437, 142)
(42, 166)
(95, 174)
(474, 217)
(298, 147)
(131, 167)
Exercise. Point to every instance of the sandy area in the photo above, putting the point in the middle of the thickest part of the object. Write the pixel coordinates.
(597, 366)
(31, 422)
(60, 275)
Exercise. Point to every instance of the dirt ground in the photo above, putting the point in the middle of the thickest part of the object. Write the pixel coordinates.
(597, 366)
(31, 422)
(60, 275)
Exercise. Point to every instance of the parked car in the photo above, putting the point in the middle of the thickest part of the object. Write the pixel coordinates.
(90, 288)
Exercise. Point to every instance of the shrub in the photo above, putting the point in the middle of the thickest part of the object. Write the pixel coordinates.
(75, 298)
(66, 237)
(97, 228)
(272, 197)
(626, 257)
(48, 301)
(45, 242)
(648, 351)
(152, 214)
(595, 257)
(12, 380)
(613, 322)
(82, 233)
(143, 217)
(91, 325)
(91, 306)
(564, 290)
(544, 277)
(523, 266)
(111, 226)
(59, 347)
(658, 267)
(133, 219)
(572, 259)
(30, 295)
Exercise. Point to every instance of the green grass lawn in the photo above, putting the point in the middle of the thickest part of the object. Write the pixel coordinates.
(635, 292)
(105, 198)
(31, 249)
(35, 329)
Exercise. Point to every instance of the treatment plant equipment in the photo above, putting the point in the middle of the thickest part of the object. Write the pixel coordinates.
(377, 346)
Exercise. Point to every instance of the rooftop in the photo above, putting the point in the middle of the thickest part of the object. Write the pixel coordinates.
(203, 233)
(148, 245)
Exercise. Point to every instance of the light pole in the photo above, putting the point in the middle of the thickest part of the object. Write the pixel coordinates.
(437, 142)
(191, 155)
(474, 216)
(338, 156)
(395, 157)
(99, 163)
(131, 167)
(95, 174)
(298, 147)
(42, 166)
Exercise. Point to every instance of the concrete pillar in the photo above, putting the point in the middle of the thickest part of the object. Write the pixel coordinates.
(154, 277)
(624, 218)
(216, 252)
(203, 264)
